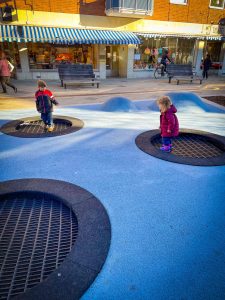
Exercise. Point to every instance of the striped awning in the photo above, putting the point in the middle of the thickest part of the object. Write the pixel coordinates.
(69, 36)
(187, 36)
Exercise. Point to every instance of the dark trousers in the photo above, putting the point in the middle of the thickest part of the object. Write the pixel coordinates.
(205, 74)
(5, 80)
(163, 69)
(166, 141)
(47, 118)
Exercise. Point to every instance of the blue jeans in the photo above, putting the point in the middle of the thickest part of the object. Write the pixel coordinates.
(47, 118)
(166, 141)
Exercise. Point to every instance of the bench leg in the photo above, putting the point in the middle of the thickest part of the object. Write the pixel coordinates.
(97, 85)
(200, 81)
(178, 81)
(170, 79)
(61, 83)
(64, 86)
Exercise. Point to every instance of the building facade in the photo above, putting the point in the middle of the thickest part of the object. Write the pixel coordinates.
(120, 38)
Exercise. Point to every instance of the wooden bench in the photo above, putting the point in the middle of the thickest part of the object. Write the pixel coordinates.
(182, 72)
(71, 74)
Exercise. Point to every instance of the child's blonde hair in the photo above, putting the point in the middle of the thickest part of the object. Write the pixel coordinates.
(42, 83)
(165, 102)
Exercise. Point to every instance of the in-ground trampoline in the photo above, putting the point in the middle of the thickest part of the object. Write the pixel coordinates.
(191, 147)
(54, 239)
(33, 127)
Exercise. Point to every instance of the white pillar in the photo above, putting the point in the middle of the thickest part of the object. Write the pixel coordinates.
(222, 72)
(102, 61)
(199, 48)
(130, 61)
(24, 62)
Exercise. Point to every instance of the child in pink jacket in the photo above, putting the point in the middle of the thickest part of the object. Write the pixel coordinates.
(169, 124)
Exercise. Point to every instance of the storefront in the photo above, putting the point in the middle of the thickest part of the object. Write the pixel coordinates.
(36, 52)
(181, 50)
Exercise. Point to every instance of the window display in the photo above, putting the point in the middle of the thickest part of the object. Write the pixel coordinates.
(47, 56)
(149, 53)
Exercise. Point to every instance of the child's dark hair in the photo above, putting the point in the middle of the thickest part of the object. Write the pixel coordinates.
(42, 83)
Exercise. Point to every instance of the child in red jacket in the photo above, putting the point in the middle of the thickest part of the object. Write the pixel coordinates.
(169, 124)
(44, 104)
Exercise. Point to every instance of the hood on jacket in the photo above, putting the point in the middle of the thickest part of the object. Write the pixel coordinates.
(172, 109)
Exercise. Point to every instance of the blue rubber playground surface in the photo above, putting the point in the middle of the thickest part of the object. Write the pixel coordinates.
(167, 219)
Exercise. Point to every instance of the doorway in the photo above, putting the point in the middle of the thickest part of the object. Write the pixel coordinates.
(112, 61)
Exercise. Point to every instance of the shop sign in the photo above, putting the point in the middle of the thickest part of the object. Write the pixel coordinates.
(210, 29)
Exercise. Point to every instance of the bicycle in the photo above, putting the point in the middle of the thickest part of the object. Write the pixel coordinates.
(160, 71)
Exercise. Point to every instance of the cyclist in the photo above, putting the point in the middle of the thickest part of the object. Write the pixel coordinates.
(164, 60)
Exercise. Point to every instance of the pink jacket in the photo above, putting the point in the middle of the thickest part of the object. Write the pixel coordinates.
(4, 68)
(169, 121)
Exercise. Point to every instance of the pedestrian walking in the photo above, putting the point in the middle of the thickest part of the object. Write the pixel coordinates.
(44, 104)
(169, 124)
(5, 73)
(207, 63)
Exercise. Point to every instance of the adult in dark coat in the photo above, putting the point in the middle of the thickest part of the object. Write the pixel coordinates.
(207, 63)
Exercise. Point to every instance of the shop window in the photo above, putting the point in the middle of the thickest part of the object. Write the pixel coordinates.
(185, 51)
(7, 12)
(214, 49)
(184, 2)
(217, 4)
(149, 53)
(47, 56)
(129, 8)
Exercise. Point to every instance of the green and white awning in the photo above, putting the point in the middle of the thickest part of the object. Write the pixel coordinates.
(69, 36)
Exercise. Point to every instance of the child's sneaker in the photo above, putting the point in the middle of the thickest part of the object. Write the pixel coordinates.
(50, 128)
(166, 148)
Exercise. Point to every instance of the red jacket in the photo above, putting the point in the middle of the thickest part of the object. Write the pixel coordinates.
(169, 121)
(45, 101)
